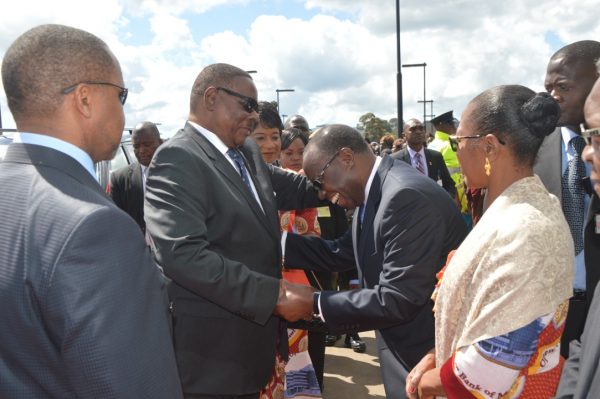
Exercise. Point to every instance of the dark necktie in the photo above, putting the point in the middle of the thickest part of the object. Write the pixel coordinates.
(419, 163)
(573, 193)
(237, 158)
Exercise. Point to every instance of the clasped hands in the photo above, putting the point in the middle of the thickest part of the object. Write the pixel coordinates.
(295, 301)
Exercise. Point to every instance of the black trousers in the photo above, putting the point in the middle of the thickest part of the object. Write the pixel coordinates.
(574, 324)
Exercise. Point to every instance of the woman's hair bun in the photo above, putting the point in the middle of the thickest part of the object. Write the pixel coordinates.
(540, 113)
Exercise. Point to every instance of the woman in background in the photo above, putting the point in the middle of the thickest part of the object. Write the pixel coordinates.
(267, 133)
(501, 306)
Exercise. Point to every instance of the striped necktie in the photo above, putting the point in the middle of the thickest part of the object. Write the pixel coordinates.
(419, 163)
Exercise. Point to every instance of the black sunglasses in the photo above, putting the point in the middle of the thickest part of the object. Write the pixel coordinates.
(587, 134)
(318, 182)
(454, 140)
(122, 93)
(250, 105)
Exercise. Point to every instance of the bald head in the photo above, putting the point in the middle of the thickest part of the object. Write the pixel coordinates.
(586, 51)
(216, 75)
(592, 107)
(298, 122)
(146, 127)
(331, 138)
(44, 61)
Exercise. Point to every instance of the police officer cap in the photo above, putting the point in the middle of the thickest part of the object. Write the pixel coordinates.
(446, 117)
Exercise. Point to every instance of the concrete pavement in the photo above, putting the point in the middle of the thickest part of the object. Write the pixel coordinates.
(351, 375)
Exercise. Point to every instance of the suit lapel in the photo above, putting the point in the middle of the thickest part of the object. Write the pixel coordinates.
(431, 169)
(367, 233)
(406, 156)
(222, 165)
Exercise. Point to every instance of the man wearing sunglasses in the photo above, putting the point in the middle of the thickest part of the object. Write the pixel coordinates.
(570, 75)
(404, 225)
(212, 215)
(581, 376)
(85, 307)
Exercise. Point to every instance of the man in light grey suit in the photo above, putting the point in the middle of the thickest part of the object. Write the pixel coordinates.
(84, 309)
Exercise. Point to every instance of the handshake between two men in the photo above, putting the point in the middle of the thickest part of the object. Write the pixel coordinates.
(295, 302)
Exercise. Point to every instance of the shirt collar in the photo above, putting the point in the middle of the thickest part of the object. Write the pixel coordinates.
(371, 177)
(567, 134)
(413, 152)
(210, 136)
(82, 157)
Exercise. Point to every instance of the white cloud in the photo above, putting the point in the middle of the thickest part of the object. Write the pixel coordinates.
(341, 61)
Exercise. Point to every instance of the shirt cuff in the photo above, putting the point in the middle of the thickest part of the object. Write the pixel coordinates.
(319, 314)
(283, 240)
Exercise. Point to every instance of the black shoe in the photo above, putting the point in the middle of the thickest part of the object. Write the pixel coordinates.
(330, 340)
(353, 341)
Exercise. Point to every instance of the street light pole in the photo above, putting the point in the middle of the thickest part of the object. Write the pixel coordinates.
(431, 109)
(281, 91)
(399, 72)
(424, 86)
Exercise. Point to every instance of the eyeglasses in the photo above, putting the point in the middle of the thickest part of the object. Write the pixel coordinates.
(122, 93)
(454, 140)
(587, 134)
(318, 182)
(250, 105)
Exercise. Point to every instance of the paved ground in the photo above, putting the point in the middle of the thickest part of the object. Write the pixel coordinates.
(353, 375)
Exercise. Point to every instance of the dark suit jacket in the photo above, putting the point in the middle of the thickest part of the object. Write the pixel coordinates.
(436, 167)
(410, 225)
(548, 167)
(580, 377)
(223, 255)
(127, 190)
(85, 309)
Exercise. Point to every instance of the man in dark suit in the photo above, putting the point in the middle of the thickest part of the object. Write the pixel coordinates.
(128, 184)
(570, 75)
(85, 307)
(212, 215)
(403, 228)
(581, 376)
(426, 161)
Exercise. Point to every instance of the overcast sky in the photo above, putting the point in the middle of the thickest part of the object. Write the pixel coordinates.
(338, 55)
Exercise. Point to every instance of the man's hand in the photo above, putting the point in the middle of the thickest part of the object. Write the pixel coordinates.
(295, 301)
(414, 377)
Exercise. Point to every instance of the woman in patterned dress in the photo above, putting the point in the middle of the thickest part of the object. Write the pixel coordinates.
(501, 305)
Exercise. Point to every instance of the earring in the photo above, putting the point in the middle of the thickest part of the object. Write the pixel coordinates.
(487, 166)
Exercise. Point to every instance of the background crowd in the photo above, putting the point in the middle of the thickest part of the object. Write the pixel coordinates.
(227, 257)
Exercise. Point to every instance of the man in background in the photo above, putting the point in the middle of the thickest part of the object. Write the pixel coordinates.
(128, 184)
(570, 75)
(299, 122)
(581, 375)
(425, 160)
(86, 310)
